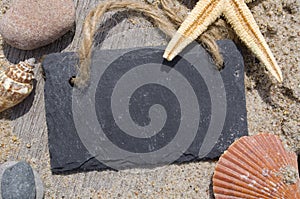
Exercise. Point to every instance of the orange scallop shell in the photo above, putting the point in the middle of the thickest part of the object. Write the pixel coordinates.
(257, 167)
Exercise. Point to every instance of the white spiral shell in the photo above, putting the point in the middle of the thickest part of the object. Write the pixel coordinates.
(16, 83)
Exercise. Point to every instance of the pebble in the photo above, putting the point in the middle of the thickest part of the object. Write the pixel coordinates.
(19, 180)
(30, 24)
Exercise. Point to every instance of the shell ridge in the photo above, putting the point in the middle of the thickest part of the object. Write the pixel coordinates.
(253, 154)
(244, 188)
(279, 147)
(246, 159)
(252, 162)
(261, 143)
(258, 152)
(255, 167)
(245, 181)
(280, 150)
(259, 179)
(231, 191)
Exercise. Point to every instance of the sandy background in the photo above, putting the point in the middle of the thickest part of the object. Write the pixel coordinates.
(271, 107)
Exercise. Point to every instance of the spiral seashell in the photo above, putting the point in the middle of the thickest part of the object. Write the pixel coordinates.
(16, 83)
(257, 167)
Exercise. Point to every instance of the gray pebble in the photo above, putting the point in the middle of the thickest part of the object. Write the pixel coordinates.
(30, 24)
(18, 182)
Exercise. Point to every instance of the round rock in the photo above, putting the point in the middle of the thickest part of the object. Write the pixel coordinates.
(18, 182)
(30, 24)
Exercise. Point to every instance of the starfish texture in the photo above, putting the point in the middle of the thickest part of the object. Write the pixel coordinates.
(238, 15)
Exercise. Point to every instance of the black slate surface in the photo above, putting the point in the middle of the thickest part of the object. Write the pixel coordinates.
(142, 111)
(18, 182)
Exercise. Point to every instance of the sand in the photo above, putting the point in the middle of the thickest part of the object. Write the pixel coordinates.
(271, 107)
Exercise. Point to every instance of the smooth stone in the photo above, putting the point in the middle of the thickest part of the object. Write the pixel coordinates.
(18, 182)
(30, 24)
(38, 182)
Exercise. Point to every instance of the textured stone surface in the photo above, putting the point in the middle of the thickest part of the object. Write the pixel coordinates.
(18, 182)
(30, 24)
(174, 87)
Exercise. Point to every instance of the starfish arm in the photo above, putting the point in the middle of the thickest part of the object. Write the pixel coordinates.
(204, 13)
(242, 21)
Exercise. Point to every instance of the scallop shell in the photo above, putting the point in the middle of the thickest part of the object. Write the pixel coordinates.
(257, 167)
(16, 83)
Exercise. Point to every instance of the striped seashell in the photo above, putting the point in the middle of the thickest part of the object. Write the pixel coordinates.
(16, 83)
(257, 167)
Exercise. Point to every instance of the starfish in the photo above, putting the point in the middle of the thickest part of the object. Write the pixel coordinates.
(238, 15)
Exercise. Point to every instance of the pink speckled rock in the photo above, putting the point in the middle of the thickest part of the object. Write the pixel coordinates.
(30, 24)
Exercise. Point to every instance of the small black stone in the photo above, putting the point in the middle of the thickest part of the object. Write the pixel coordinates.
(18, 182)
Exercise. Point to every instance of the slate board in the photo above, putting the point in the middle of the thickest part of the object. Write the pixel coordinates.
(142, 111)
